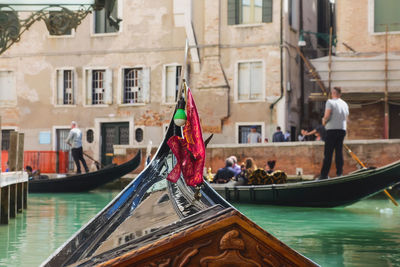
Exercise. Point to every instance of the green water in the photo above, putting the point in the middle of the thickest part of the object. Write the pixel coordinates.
(364, 234)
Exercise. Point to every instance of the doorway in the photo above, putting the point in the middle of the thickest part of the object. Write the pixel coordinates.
(394, 120)
(61, 136)
(112, 134)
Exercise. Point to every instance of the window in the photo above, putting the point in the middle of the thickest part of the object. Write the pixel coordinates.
(65, 87)
(245, 130)
(104, 23)
(139, 135)
(136, 85)
(173, 74)
(5, 139)
(386, 12)
(293, 14)
(8, 92)
(249, 11)
(89, 136)
(99, 87)
(250, 81)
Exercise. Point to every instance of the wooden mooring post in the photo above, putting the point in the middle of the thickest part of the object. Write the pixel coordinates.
(13, 184)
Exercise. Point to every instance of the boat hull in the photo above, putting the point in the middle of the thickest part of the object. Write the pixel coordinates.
(83, 182)
(333, 192)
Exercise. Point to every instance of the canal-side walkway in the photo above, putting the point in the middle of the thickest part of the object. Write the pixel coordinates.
(13, 194)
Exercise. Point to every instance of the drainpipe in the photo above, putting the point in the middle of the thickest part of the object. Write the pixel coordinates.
(271, 107)
(301, 120)
(222, 68)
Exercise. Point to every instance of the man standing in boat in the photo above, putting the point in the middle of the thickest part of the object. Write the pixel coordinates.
(334, 120)
(74, 139)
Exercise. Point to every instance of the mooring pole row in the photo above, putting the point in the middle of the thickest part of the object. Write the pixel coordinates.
(14, 183)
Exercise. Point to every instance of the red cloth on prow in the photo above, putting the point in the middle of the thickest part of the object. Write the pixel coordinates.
(189, 151)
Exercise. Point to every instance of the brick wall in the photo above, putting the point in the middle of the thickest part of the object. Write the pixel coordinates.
(366, 122)
(292, 155)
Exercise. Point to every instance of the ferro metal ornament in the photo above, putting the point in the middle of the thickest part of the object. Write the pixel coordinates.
(9, 29)
(58, 22)
(62, 22)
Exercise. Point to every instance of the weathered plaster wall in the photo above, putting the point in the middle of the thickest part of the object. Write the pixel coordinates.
(353, 19)
(148, 38)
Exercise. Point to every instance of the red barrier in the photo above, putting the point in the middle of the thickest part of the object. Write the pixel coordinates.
(45, 161)
(4, 159)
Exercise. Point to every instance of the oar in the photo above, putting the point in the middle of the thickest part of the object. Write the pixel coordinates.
(95, 161)
(363, 165)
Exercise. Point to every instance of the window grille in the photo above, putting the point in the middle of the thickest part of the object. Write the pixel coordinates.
(133, 86)
(98, 89)
(244, 131)
(5, 139)
(68, 87)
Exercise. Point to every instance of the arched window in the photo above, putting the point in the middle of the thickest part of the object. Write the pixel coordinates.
(139, 135)
(89, 136)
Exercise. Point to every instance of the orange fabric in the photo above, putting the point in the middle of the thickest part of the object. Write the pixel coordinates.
(45, 161)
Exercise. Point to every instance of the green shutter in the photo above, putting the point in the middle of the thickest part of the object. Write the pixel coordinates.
(267, 11)
(386, 13)
(232, 12)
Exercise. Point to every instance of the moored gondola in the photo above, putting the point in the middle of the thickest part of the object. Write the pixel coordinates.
(156, 222)
(332, 192)
(86, 181)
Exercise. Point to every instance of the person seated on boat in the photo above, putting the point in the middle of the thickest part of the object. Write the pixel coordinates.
(34, 174)
(225, 174)
(235, 166)
(29, 170)
(270, 166)
(249, 168)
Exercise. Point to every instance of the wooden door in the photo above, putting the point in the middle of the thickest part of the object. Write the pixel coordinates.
(112, 134)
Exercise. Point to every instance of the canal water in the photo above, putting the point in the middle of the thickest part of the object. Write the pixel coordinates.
(363, 234)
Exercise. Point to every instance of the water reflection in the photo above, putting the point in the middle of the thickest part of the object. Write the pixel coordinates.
(364, 234)
(154, 211)
(47, 223)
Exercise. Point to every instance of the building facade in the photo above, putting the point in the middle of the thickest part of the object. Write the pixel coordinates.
(366, 64)
(120, 84)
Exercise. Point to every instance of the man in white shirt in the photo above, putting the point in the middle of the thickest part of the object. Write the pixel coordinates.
(335, 122)
(74, 139)
(254, 136)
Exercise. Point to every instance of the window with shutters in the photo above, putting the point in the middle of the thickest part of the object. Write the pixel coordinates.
(98, 87)
(386, 15)
(250, 81)
(65, 87)
(8, 90)
(249, 11)
(135, 86)
(104, 23)
(172, 76)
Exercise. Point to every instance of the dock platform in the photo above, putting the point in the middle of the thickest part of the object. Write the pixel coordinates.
(13, 194)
